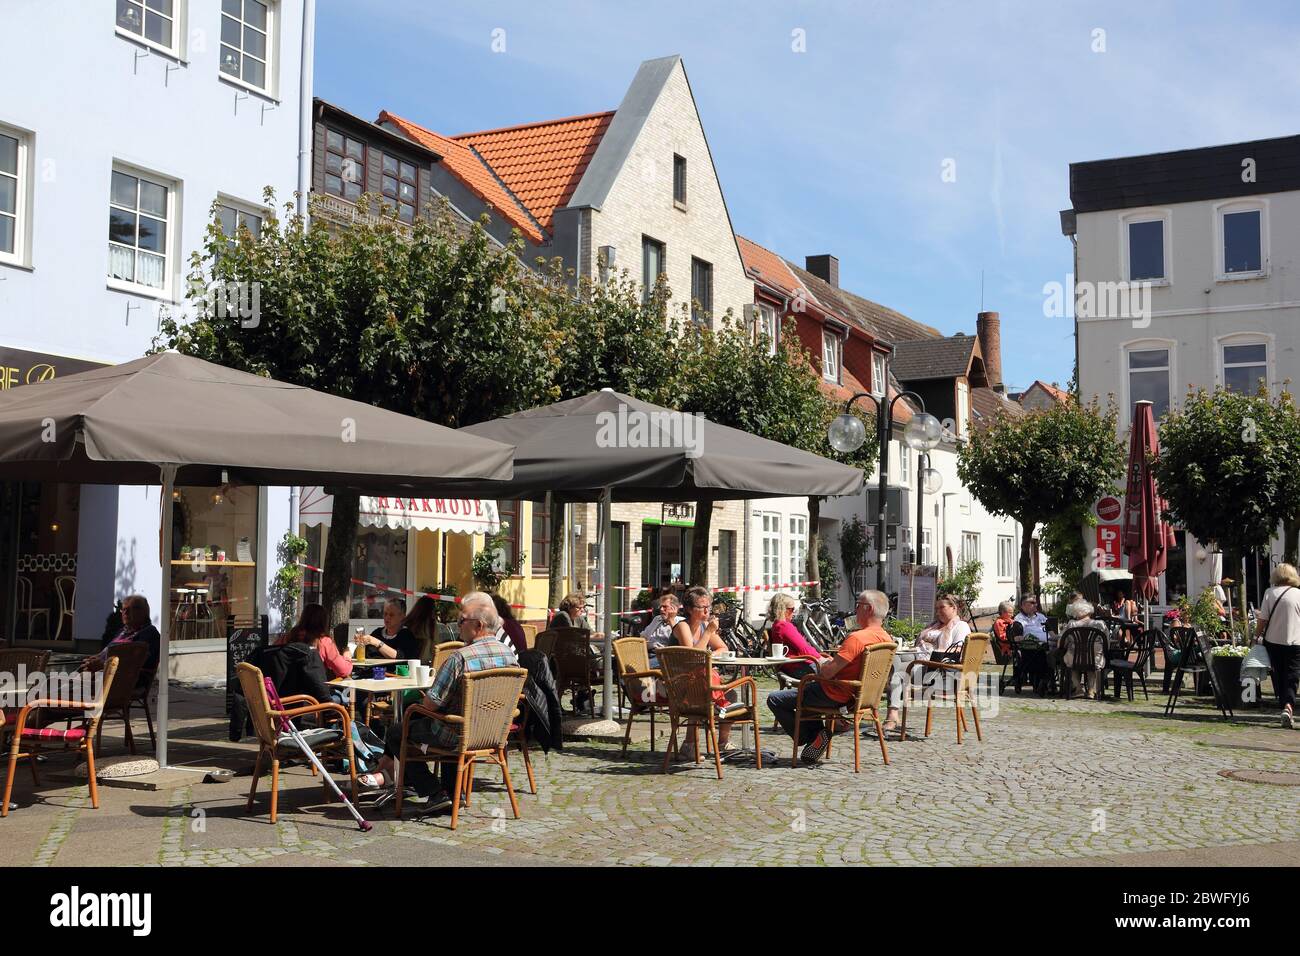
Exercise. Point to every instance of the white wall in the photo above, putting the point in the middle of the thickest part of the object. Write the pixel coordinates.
(88, 99)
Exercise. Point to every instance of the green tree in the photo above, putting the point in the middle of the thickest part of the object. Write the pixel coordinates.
(1061, 538)
(1224, 458)
(1042, 465)
(423, 320)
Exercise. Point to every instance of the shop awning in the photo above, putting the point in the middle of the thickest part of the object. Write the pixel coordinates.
(466, 515)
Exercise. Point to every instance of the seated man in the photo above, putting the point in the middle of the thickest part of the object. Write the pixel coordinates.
(1032, 620)
(660, 629)
(846, 665)
(136, 626)
(479, 623)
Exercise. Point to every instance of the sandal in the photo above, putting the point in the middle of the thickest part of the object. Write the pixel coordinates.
(375, 781)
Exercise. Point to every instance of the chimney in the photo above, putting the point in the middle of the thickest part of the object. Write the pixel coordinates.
(988, 327)
(825, 267)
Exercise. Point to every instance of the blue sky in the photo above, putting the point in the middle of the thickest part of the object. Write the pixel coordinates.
(841, 148)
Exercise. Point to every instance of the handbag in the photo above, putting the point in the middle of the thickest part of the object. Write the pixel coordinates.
(1256, 663)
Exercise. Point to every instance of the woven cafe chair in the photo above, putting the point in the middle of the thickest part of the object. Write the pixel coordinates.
(489, 706)
(576, 665)
(131, 659)
(878, 659)
(24, 662)
(687, 681)
(530, 635)
(967, 671)
(442, 652)
(81, 738)
(640, 682)
(274, 743)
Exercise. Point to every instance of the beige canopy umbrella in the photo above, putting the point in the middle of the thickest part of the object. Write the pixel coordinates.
(169, 418)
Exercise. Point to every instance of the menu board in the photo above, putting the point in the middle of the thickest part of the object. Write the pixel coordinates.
(917, 591)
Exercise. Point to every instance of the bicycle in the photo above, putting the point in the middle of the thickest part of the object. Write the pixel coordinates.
(822, 624)
(737, 633)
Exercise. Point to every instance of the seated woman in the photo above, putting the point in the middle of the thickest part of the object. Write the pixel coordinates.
(1005, 618)
(1080, 612)
(699, 629)
(392, 641)
(780, 611)
(509, 626)
(570, 613)
(313, 629)
(422, 623)
(946, 632)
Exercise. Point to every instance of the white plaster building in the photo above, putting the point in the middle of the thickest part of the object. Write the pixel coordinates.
(1212, 236)
(120, 127)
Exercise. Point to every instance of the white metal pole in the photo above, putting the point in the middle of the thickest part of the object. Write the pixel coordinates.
(606, 619)
(164, 609)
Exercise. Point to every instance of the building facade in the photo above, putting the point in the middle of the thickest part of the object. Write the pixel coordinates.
(1184, 264)
(194, 103)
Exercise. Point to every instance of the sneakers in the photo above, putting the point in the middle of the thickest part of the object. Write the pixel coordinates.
(431, 804)
(1288, 720)
(816, 750)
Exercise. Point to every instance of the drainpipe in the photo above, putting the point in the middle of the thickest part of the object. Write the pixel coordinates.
(304, 161)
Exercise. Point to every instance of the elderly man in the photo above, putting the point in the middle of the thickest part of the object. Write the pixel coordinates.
(136, 626)
(479, 623)
(846, 665)
(660, 629)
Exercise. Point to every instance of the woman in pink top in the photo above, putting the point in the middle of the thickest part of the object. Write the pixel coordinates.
(780, 612)
(312, 625)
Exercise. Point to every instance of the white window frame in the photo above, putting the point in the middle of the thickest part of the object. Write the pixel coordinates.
(180, 31)
(877, 375)
(970, 540)
(832, 355)
(25, 169)
(768, 325)
(1144, 345)
(1006, 557)
(927, 547)
(1227, 208)
(1146, 215)
(272, 88)
(245, 207)
(171, 248)
(905, 540)
(798, 549)
(770, 558)
(963, 409)
(904, 464)
(1245, 338)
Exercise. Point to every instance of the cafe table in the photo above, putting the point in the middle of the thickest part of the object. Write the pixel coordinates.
(745, 663)
(395, 685)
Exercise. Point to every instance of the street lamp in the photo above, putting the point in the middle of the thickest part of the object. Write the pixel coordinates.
(847, 433)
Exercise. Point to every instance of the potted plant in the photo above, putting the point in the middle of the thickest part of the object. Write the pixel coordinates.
(1226, 660)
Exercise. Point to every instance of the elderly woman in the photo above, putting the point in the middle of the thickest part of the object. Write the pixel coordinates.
(570, 613)
(1278, 625)
(1080, 612)
(699, 629)
(1006, 617)
(780, 611)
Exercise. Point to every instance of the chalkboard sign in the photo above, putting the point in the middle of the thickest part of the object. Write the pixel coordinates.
(916, 595)
(241, 646)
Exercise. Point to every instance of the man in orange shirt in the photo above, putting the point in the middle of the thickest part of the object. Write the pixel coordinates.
(846, 665)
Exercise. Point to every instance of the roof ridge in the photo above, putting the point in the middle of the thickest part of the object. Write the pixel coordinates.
(927, 330)
(514, 129)
(506, 188)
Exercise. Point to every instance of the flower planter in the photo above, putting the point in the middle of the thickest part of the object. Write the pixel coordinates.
(1227, 674)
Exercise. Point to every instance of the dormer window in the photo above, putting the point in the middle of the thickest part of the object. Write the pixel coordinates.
(832, 351)
(877, 375)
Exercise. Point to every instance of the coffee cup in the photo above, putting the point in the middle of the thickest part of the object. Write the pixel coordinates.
(778, 650)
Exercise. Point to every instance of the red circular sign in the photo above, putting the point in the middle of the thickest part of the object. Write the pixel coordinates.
(1108, 509)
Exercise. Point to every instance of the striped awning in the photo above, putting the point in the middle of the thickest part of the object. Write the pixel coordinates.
(465, 515)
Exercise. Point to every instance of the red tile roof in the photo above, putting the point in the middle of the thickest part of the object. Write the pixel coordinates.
(1056, 394)
(541, 163)
(470, 169)
(769, 268)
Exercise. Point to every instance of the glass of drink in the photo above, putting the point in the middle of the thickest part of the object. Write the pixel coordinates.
(361, 647)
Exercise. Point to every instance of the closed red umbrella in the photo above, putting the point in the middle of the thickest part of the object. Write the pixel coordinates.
(1147, 536)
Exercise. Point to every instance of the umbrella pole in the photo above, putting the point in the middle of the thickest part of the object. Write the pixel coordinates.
(164, 609)
(602, 598)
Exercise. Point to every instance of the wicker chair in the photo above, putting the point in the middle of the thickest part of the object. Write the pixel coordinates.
(82, 738)
(687, 680)
(131, 659)
(977, 645)
(878, 659)
(576, 665)
(442, 652)
(272, 742)
(530, 635)
(489, 706)
(545, 642)
(638, 681)
(15, 661)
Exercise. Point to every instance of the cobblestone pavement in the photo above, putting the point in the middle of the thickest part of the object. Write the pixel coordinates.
(1052, 781)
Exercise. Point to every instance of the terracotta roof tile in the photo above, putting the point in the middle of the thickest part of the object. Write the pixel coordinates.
(477, 176)
(988, 406)
(1054, 393)
(541, 163)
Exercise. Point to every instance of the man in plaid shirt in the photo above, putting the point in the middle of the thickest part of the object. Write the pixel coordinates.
(479, 626)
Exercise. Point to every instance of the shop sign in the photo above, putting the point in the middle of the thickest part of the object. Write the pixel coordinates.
(20, 367)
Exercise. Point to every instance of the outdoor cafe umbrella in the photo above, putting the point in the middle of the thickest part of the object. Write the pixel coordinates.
(606, 447)
(168, 419)
(1147, 536)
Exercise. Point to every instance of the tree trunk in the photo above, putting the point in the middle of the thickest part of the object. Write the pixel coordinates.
(555, 563)
(814, 572)
(699, 573)
(337, 579)
(1028, 580)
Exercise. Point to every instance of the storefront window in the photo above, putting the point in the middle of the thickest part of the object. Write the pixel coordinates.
(381, 561)
(214, 561)
(39, 534)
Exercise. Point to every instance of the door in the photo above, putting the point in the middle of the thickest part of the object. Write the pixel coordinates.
(618, 568)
